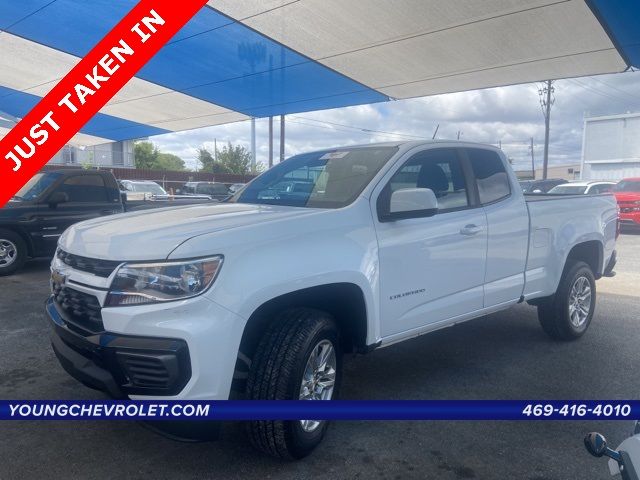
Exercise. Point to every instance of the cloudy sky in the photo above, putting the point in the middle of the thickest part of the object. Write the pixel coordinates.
(507, 115)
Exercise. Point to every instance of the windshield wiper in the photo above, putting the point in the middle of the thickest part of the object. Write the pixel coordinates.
(17, 197)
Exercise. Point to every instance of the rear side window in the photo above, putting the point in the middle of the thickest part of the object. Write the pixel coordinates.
(85, 188)
(491, 177)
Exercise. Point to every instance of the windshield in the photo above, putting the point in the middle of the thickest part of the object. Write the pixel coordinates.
(153, 188)
(329, 179)
(569, 189)
(627, 186)
(36, 185)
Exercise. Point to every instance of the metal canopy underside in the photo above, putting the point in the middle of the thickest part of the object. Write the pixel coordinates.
(238, 59)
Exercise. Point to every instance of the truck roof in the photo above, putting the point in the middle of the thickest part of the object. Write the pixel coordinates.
(77, 171)
(410, 143)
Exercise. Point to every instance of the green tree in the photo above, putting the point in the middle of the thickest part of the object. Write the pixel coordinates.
(236, 159)
(147, 156)
(231, 159)
(208, 162)
(169, 161)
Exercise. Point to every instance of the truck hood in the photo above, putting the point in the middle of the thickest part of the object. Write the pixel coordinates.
(154, 234)
(627, 196)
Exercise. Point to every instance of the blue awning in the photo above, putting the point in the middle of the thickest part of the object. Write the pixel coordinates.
(621, 19)
(236, 59)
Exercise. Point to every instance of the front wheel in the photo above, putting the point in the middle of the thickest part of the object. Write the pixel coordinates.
(567, 315)
(13, 252)
(298, 358)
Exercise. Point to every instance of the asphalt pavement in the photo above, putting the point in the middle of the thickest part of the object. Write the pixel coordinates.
(501, 356)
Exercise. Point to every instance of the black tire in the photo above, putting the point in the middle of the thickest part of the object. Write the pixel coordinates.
(554, 314)
(11, 242)
(276, 374)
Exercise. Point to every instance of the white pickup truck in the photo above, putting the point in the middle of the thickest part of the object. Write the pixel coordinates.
(343, 250)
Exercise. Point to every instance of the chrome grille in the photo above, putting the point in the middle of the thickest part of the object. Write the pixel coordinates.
(101, 268)
(82, 310)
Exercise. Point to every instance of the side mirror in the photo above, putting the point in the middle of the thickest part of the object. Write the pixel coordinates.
(595, 444)
(56, 198)
(412, 203)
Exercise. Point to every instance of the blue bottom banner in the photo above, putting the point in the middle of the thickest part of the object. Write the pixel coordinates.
(320, 410)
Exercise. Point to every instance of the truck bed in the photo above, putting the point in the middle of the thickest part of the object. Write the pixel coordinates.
(556, 223)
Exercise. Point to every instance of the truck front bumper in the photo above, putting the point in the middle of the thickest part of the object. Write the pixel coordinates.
(192, 343)
(139, 366)
(120, 365)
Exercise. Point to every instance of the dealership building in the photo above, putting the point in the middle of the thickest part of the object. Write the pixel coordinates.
(114, 154)
(611, 147)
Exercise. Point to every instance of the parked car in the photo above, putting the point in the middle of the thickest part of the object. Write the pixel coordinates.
(261, 295)
(216, 190)
(583, 188)
(50, 202)
(627, 193)
(234, 187)
(288, 189)
(142, 186)
(541, 186)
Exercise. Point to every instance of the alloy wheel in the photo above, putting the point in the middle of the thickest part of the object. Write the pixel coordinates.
(319, 378)
(8, 252)
(580, 302)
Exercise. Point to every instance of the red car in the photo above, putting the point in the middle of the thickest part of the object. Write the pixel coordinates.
(627, 193)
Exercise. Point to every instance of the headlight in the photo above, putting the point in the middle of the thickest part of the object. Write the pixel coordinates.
(141, 283)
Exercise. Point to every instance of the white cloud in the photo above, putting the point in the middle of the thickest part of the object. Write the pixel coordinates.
(510, 115)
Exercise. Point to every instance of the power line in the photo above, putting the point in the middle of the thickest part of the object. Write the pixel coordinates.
(592, 89)
(625, 92)
(362, 129)
(330, 128)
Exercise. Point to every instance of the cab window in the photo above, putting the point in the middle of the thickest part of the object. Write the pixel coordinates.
(490, 175)
(85, 188)
(437, 169)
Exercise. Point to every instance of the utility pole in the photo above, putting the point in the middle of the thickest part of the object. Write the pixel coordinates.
(533, 163)
(281, 138)
(270, 142)
(253, 145)
(215, 150)
(546, 100)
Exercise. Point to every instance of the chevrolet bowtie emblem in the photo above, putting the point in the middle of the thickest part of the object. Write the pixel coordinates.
(58, 277)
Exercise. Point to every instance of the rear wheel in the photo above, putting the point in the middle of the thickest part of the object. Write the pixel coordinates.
(13, 252)
(298, 358)
(567, 315)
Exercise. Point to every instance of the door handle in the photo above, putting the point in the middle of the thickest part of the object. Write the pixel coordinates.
(470, 230)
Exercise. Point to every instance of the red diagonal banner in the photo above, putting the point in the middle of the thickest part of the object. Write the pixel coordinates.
(88, 87)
